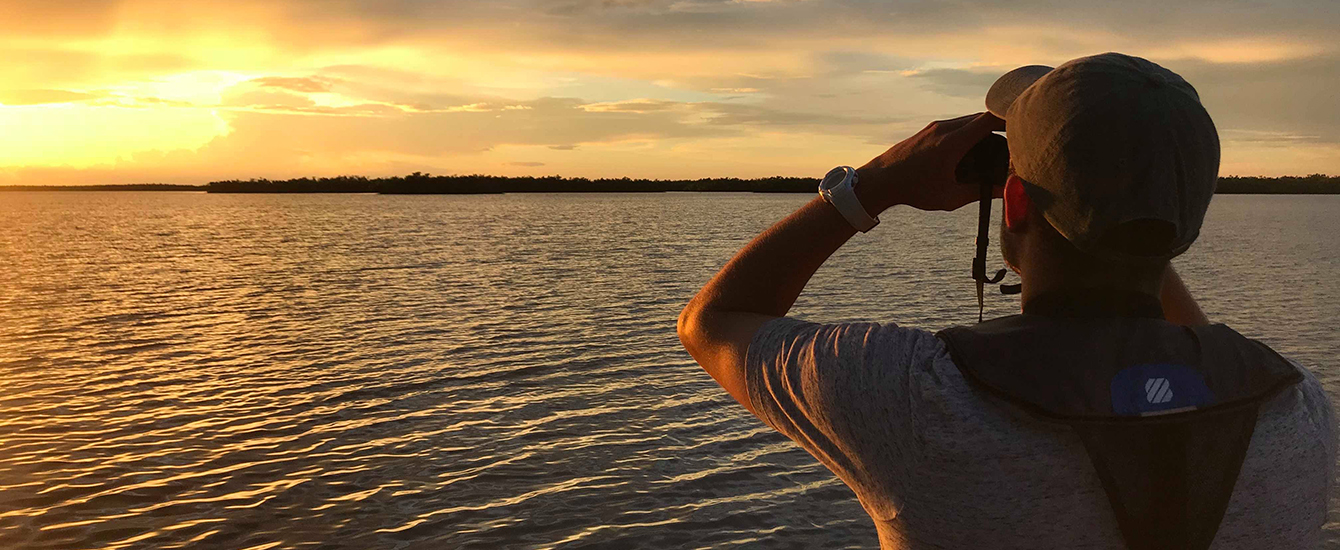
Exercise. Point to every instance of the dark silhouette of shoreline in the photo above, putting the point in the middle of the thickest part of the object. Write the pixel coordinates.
(1315, 184)
(425, 184)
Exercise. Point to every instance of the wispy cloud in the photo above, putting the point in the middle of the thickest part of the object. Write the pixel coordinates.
(40, 97)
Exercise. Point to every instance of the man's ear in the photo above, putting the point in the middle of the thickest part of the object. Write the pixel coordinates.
(1017, 204)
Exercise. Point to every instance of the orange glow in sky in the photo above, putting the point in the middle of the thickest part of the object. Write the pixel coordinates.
(130, 91)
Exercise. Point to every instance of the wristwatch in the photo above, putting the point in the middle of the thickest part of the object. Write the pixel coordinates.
(839, 189)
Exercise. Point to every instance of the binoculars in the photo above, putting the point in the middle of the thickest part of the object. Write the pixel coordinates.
(986, 165)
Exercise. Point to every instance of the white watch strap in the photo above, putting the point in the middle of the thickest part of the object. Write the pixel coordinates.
(843, 197)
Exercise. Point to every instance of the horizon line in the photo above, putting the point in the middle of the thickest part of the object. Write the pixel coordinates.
(1322, 176)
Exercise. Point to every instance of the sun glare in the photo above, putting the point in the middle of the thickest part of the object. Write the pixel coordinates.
(79, 135)
(197, 88)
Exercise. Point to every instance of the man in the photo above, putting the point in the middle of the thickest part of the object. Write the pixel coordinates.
(1110, 414)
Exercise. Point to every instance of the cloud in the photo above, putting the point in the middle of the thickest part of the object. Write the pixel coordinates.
(296, 84)
(641, 105)
(40, 97)
(269, 137)
(265, 99)
(640, 26)
(145, 101)
(970, 83)
(60, 18)
(1283, 98)
(1263, 137)
(731, 114)
(564, 147)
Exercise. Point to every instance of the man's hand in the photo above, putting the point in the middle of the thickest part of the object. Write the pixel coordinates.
(919, 171)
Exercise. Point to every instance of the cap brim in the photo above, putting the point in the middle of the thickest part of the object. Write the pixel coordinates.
(1008, 87)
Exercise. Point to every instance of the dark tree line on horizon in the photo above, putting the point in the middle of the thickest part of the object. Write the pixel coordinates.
(419, 183)
(1313, 184)
(425, 184)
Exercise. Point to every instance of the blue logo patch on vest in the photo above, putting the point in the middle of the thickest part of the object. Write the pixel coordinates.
(1151, 389)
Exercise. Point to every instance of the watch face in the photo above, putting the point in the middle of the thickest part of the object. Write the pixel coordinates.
(834, 177)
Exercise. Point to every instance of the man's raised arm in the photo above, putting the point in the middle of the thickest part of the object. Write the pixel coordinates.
(764, 279)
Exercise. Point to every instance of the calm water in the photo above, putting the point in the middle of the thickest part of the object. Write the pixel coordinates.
(329, 371)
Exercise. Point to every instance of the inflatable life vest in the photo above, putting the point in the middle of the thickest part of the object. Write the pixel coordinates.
(1165, 412)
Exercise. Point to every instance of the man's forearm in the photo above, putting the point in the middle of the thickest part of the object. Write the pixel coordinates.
(768, 275)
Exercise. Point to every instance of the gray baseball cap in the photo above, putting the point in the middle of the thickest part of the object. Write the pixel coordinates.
(1116, 151)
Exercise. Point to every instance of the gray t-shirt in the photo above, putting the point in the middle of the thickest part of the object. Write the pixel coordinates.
(939, 464)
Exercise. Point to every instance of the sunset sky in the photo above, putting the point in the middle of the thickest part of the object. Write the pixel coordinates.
(127, 91)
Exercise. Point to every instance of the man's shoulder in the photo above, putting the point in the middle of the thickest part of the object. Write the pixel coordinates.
(870, 341)
(1307, 402)
(856, 359)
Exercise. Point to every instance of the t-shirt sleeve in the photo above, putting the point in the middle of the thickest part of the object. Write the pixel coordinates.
(843, 392)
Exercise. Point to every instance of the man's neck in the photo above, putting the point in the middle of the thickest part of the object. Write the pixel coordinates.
(1048, 284)
(1095, 302)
